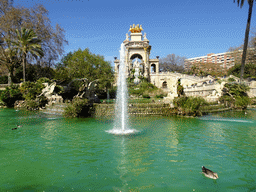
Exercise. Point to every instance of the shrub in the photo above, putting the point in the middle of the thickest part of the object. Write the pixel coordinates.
(3, 79)
(144, 88)
(30, 90)
(189, 105)
(42, 100)
(10, 95)
(242, 101)
(231, 79)
(146, 96)
(137, 92)
(180, 101)
(235, 95)
(32, 105)
(59, 89)
(160, 96)
(78, 107)
(44, 80)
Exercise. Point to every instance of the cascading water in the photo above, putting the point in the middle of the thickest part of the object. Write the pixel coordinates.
(121, 124)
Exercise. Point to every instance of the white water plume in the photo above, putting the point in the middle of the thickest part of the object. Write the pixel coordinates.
(121, 124)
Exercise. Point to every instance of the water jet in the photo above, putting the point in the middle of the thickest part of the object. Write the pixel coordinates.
(121, 122)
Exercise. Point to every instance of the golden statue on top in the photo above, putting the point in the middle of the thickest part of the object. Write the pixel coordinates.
(135, 29)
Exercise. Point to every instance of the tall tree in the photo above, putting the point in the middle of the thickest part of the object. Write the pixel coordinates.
(241, 3)
(36, 18)
(27, 42)
(8, 58)
(172, 62)
(84, 64)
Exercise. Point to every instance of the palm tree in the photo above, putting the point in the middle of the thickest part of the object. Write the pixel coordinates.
(27, 42)
(241, 3)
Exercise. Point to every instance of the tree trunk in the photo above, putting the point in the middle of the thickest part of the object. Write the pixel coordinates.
(24, 67)
(9, 79)
(246, 39)
(10, 74)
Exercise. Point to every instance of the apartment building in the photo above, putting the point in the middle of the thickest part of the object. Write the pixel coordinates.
(223, 60)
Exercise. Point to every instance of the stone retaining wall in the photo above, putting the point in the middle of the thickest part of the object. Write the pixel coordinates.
(150, 109)
(108, 110)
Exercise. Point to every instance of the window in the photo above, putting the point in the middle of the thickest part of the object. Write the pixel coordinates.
(164, 85)
(153, 68)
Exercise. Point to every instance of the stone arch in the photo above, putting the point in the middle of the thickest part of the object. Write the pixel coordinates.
(164, 84)
(153, 68)
(136, 55)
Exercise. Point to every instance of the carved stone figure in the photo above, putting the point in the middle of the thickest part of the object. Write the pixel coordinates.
(48, 92)
(86, 90)
(127, 37)
(136, 66)
(144, 36)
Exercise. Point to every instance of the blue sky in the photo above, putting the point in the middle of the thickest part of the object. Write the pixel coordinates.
(189, 28)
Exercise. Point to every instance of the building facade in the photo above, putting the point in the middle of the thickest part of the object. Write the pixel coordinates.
(137, 55)
(223, 61)
(137, 61)
(138, 48)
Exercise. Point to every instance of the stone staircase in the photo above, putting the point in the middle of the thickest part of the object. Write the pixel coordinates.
(57, 109)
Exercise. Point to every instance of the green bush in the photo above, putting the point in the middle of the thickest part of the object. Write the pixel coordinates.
(3, 79)
(144, 88)
(32, 105)
(10, 95)
(31, 90)
(146, 96)
(143, 100)
(189, 105)
(42, 100)
(44, 80)
(235, 95)
(160, 96)
(231, 79)
(249, 70)
(77, 108)
(180, 101)
(242, 101)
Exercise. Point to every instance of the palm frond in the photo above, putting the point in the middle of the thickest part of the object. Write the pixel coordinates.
(241, 3)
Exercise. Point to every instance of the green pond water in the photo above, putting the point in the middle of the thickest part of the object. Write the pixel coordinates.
(51, 153)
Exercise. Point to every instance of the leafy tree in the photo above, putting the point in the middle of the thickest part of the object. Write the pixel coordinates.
(172, 62)
(236, 53)
(204, 69)
(34, 18)
(84, 64)
(8, 57)
(241, 3)
(249, 71)
(62, 71)
(27, 42)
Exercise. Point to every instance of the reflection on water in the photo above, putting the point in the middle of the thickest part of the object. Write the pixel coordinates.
(225, 119)
(50, 153)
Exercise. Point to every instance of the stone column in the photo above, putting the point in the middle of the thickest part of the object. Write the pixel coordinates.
(146, 62)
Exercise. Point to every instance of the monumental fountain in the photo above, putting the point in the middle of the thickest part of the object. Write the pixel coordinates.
(121, 122)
